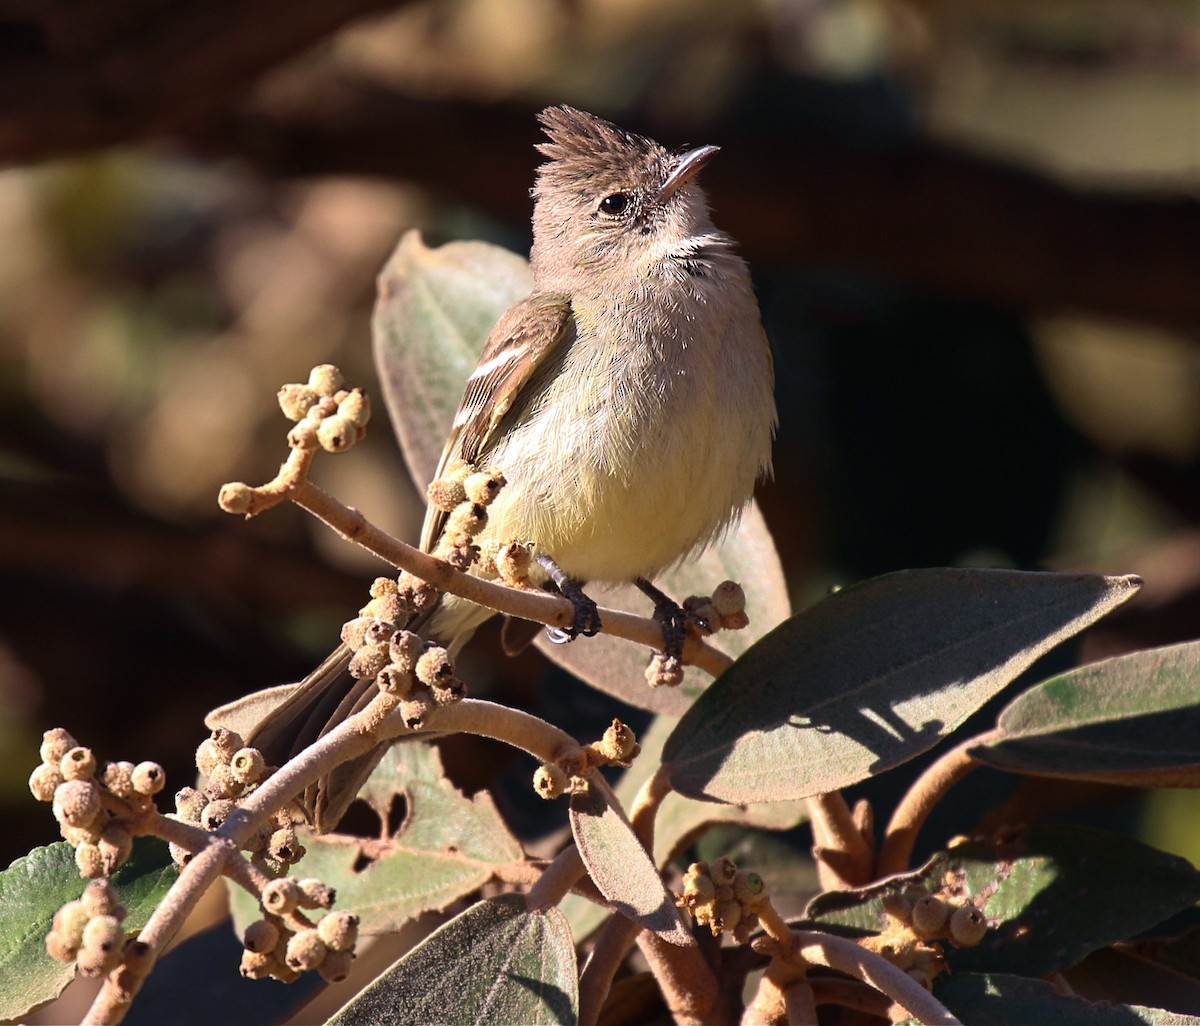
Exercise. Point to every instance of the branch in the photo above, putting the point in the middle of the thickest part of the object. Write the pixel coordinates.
(926, 791)
(846, 956)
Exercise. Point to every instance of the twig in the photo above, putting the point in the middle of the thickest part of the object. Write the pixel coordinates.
(556, 880)
(292, 484)
(688, 984)
(646, 805)
(846, 956)
(926, 791)
(835, 830)
(595, 981)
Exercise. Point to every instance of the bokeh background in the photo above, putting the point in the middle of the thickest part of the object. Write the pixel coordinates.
(974, 226)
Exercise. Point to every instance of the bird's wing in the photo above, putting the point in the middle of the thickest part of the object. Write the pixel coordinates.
(521, 342)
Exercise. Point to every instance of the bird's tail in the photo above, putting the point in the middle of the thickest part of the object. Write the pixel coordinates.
(329, 695)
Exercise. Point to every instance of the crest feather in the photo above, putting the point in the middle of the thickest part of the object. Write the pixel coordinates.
(582, 144)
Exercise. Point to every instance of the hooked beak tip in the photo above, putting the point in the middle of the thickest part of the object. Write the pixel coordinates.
(687, 166)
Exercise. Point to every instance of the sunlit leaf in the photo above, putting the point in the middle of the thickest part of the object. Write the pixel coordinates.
(495, 963)
(1134, 719)
(619, 865)
(36, 886)
(1051, 896)
(447, 846)
(872, 676)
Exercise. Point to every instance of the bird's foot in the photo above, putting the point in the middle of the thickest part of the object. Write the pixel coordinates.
(587, 615)
(671, 617)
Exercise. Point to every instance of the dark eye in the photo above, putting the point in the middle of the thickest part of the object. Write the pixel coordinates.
(615, 204)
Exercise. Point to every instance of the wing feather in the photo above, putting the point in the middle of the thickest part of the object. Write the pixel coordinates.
(526, 335)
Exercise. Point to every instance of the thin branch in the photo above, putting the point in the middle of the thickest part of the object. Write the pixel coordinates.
(615, 939)
(687, 981)
(557, 880)
(926, 791)
(834, 830)
(846, 956)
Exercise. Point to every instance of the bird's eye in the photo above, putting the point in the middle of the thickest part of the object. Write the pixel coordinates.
(615, 204)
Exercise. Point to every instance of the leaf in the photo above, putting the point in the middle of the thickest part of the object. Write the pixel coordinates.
(680, 820)
(433, 313)
(746, 554)
(1134, 719)
(432, 316)
(1051, 896)
(619, 865)
(1121, 974)
(495, 963)
(36, 886)
(872, 676)
(999, 1000)
(447, 846)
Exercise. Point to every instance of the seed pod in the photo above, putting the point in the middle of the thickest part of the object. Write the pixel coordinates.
(148, 778)
(305, 950)
(405, 649)
(221, 783)
(100, 898)
(295, 400)
(256, 965)
(335, 966)
(339, 930)
(115, 845)
(247, 765)
(435, 668)
(483, 487)
(336, 434)
(117, 777)
(261, 937)
(549, 781)
(44, 781)
(78, 764)
(967, 926)
(354, 632)
(618, 742)
(76, 802)
(189, 804)
(279, 897)
(56, 742)
(748, 888)
(216, 812)
(356, 407)
(315, 893)
(70, 920)
(929, 915)
(325, 379)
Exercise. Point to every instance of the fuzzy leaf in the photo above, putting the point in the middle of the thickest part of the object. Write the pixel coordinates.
(447, 846)
(872, 676)
(36, 886)
(433, 313)
(1134, 719)
(1051, 896)
(999, 1000)
(620, 866)
(495, 963)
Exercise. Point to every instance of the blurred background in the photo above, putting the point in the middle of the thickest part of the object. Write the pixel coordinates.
(974, 226)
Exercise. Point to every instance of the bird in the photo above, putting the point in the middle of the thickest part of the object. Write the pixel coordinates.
(628, 402)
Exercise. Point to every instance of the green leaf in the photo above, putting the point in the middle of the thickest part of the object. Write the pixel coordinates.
(447, 846)
(1134, 719)
(432, 316)
(495, 963)
(1051, 896)
(999, 1000)
(36, 886)
(872, 676)
(620, 867)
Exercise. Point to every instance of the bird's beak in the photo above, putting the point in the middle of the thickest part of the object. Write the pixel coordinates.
(687, 166)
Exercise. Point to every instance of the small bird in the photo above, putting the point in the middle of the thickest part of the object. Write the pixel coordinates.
(628, 402)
